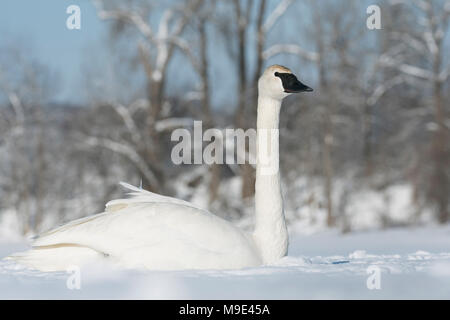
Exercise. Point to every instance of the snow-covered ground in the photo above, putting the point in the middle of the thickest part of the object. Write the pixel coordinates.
(413, 263)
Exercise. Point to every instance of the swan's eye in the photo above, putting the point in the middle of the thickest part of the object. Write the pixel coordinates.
(276, 74)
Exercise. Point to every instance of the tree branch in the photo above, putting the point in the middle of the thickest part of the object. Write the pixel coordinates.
(124, 150)
(290, 49)
(128, 16)
(276, 14)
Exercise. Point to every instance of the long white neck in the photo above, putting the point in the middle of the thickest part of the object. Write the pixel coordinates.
(271, 236)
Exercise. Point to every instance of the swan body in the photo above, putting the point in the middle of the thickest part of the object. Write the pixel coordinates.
(152, 231)
(165, 236)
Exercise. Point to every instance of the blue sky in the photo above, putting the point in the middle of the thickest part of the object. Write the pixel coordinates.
(40, 26)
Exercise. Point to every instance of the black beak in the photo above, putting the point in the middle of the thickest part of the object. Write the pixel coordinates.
(291, 84)
(298, 87)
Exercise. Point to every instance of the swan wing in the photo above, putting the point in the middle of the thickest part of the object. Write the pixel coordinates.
(137, 196)
(158, 235)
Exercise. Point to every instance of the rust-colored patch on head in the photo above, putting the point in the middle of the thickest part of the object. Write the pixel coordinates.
(279, 68)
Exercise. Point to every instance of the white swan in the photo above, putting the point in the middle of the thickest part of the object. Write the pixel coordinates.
(157, 232)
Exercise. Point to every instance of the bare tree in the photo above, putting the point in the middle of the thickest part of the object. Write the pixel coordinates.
(156, 49)
(25, 164)
(419, 56)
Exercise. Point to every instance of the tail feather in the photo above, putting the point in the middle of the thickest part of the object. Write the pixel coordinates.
(140, 196)
(137, 191)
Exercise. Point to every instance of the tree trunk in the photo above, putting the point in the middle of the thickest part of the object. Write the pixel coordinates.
(215, 170)
(247, 174)
(440, 184)
(328, 169)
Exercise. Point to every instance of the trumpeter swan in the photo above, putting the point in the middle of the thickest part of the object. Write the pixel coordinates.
(157, 232)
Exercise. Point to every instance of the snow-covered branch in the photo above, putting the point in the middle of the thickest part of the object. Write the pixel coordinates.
(16, 103)
(276, 14)
(167, 37)
(185, 47)
(122, 149)
(173, 123)
(128, 120)
(406, 68)
(290, 49)
(125, 15)
(430, 40)
(168, 32)
(411, 41)
(14, 100)
(381, 89)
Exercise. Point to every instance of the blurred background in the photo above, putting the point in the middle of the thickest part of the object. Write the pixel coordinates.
(81, 110)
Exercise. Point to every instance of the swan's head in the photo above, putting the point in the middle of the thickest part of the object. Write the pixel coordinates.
(278, 82)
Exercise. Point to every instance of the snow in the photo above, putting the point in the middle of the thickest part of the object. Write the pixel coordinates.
(414, 263)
